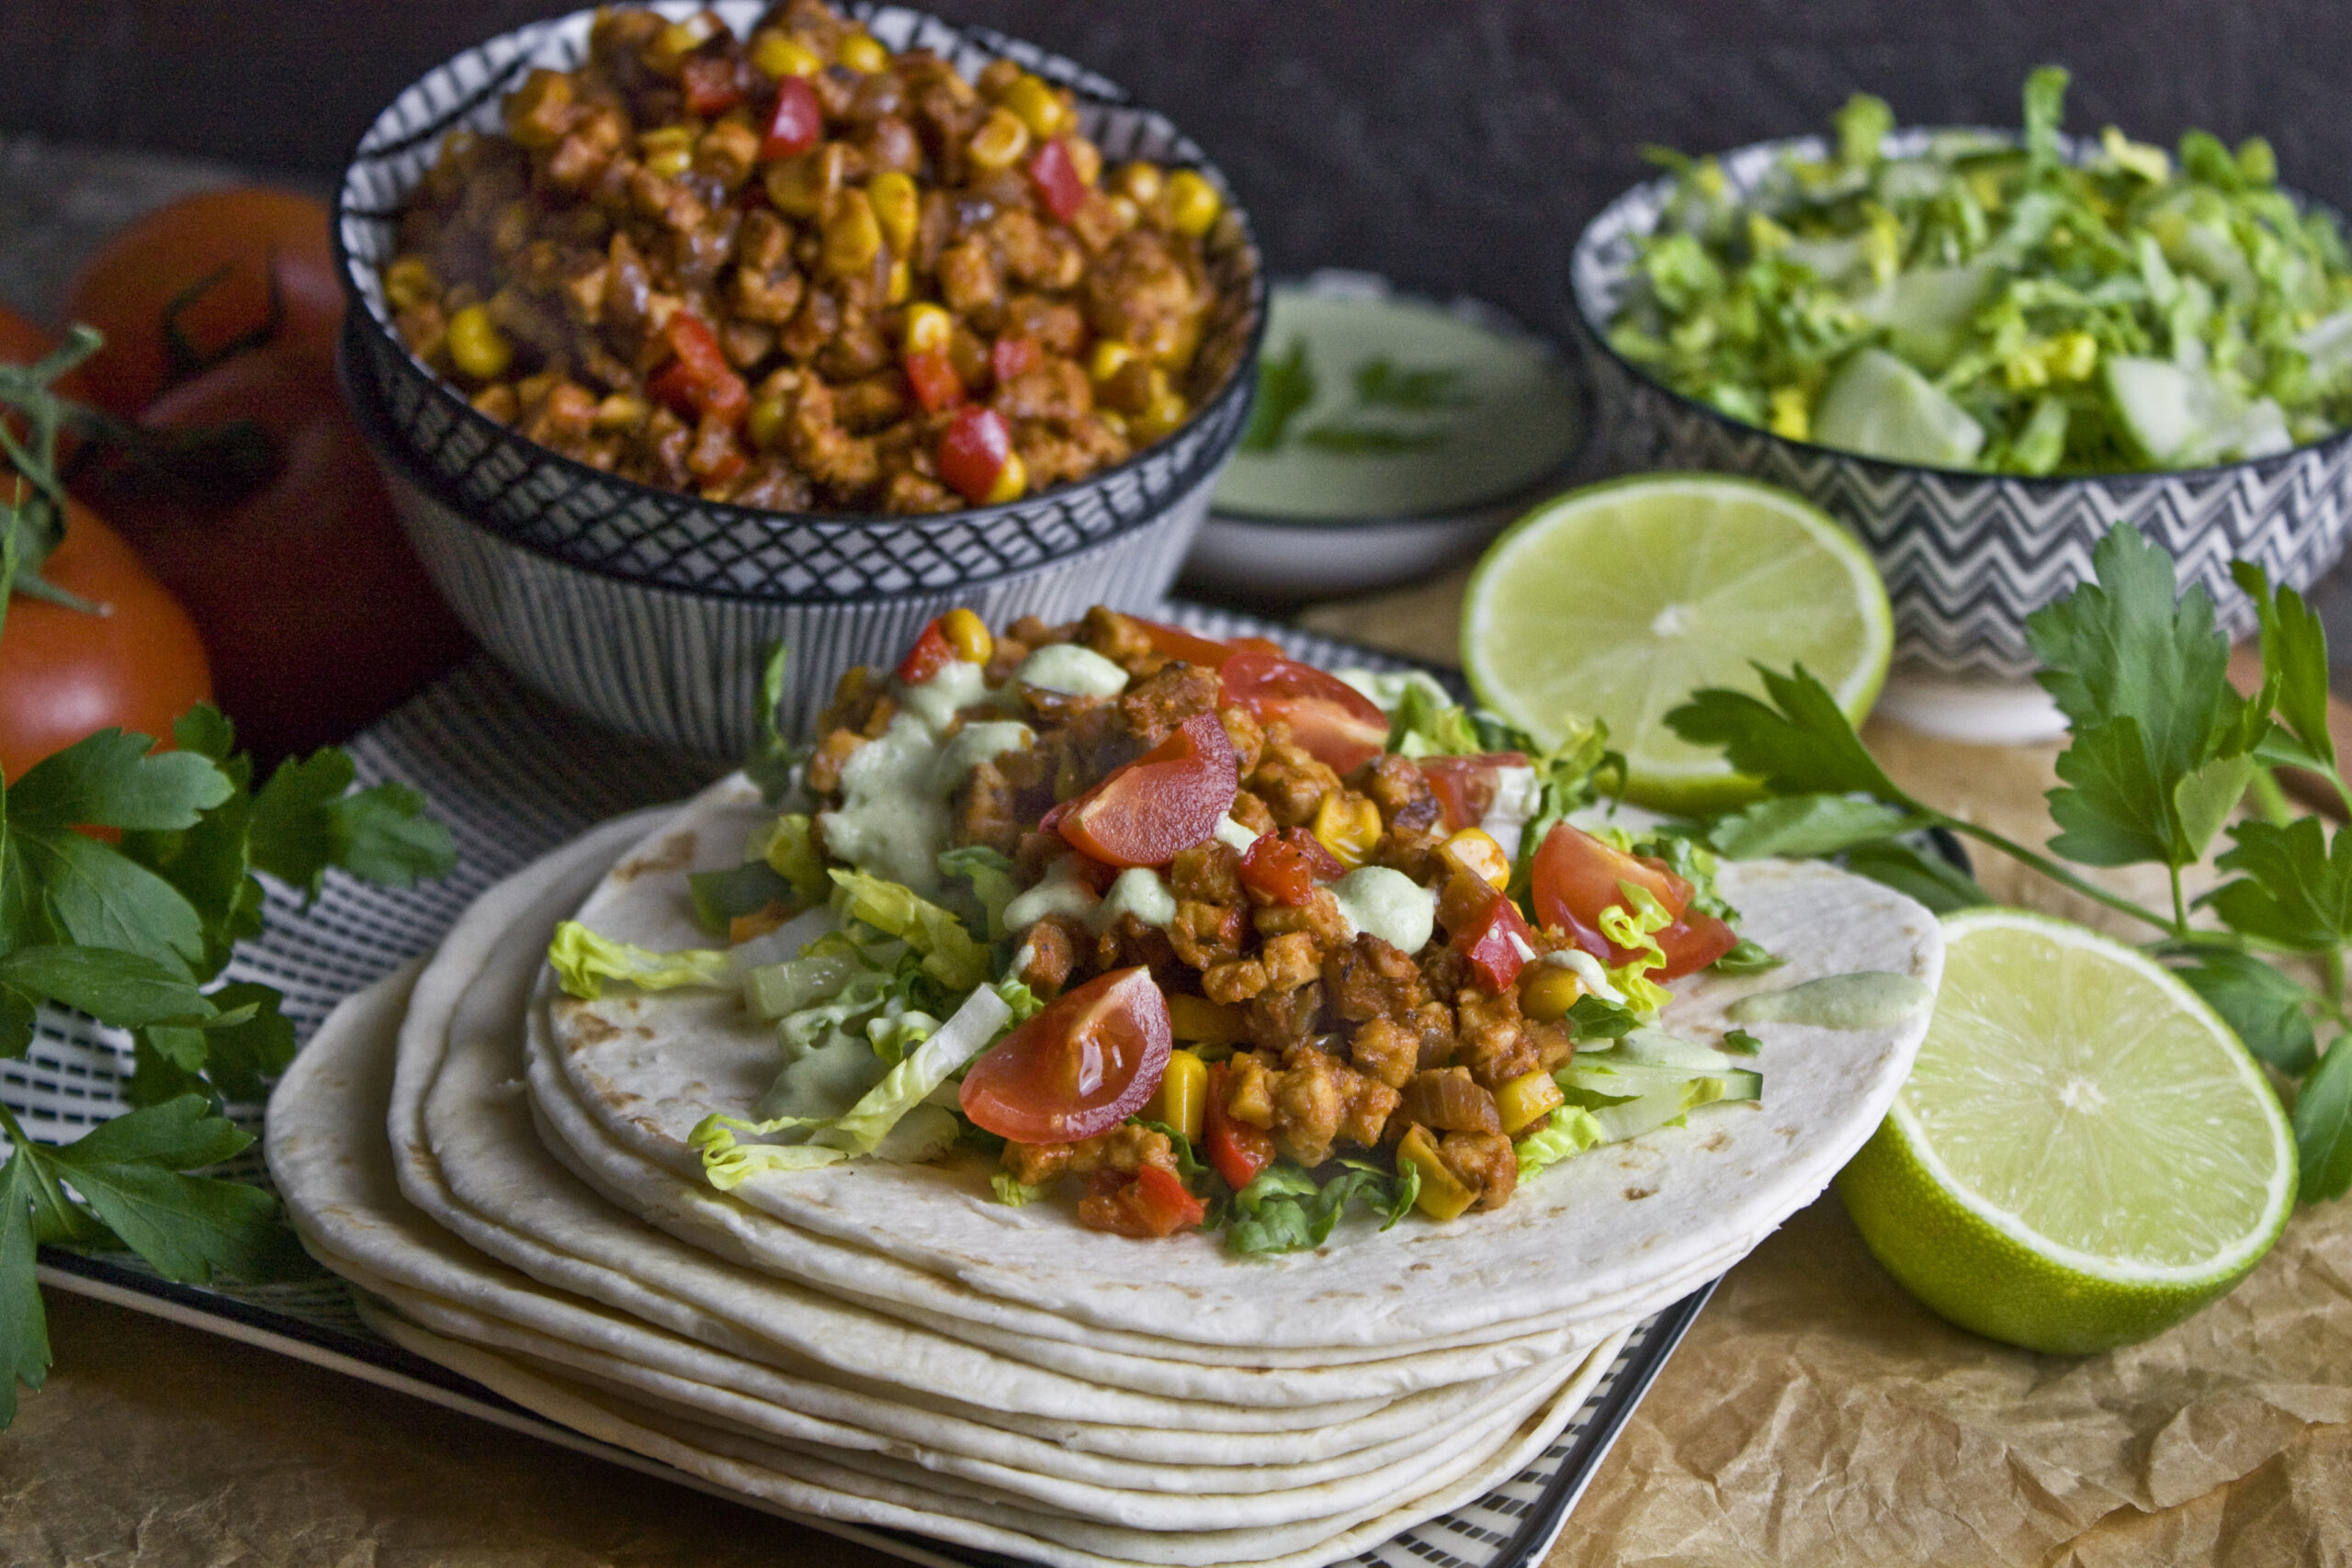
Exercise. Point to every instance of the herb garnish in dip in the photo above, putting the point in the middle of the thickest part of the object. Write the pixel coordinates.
(1979, 303)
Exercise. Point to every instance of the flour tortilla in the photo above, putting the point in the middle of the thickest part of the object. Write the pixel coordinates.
(471, 1162)
(797, 1486)
(648, 1068)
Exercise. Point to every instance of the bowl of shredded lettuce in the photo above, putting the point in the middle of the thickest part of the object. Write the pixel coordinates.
(1983, 348)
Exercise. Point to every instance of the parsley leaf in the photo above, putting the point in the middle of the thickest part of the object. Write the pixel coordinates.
(1286, 386)
(2294, 653)
(2324, 1126)
(113, 779)
(188, 1227)
(1283, 1209)
(307, 820)
(24, 1329)
(2262, 1007)
(1798, 742)
(2297, 889)
(1800, 825)
(1931, 879)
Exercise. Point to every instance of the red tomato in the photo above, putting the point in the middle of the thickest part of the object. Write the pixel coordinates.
(1207, 652)
(1496, 943)
(1054, 177)
(973, 452)
(1334, 721)
(1576, 878)
(1168, 799)
(930, 655)
(1285, 866)
(64, 673)
(1081, 1066)
(1237, 1150)
(1013, 356)
(213, 255)
(1464, 786)
(798, 122)
(711, 85)
(699, 380)
(930, 374)
(318, 614)
(1150, 1204)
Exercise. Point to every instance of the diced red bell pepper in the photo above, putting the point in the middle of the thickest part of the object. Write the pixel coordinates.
(1496, 943)
(1010, 357)
(931, 376)
(1237, 1151)
(1152, 1203)
(1169, 799)
(1054, 177)
(930, 654)
(699, 381)
(711, 84)
(973, 451)
(1464, 786)
(798, 122)
(1285, 866)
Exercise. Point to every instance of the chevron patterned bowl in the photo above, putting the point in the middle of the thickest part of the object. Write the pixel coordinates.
(1966, 555)
(652, 611)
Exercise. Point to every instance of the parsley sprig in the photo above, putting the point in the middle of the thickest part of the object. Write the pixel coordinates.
(127, 878)
(2163, 751)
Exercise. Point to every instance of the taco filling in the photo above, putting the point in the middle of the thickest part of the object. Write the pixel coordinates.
(1197, 935)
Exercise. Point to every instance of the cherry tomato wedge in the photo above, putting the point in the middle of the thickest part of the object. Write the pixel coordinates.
(930, 374)
(1464, 786)
(798, 122)
(1081, 1066)
(1339, 725)
(1208, 652)
(1577, 879)
(1168, 799)
(1054, 177)
(1497, 942)
(1152, 1203)
(1237, 1150)
(1285, 866)
(1010, 357)
(973, 453)
(932, 653)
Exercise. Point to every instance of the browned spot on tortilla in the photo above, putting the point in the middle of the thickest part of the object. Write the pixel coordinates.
(591, 1029)
(1415, 1268)
(1635, 1194)
(1715, 1141)
(674, 853)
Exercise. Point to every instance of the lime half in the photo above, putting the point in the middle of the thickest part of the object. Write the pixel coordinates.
(1618, 601)
(2084, 1154)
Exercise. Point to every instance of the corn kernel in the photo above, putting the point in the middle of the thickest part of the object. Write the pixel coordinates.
(1475, 851)
(1012, 481)
(899, 283)
(795, 188)
(1139, 182)
(535, 111)
(1190, 204)
(765, 423)
(1125, 212)
(1183, 1094)
(1166, 411)
(668, 151)
(1546, 991)
(999, 142)
(1791, 416)
(1040, 107)
(409, 282)
(2072, 356)
(1524, 1099)
(967, 634)
(1201, 1021)
(927, 330)
(863, 52)
(673, 43)
(777, 55)
(476, 345)
(1442, 1194)
(897, 205)
(1347, 825)
(853, 237)
(621, 410)
(1110, 357)
(1085, 158)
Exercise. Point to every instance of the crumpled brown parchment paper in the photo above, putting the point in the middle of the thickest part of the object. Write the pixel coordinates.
(1818, 1416)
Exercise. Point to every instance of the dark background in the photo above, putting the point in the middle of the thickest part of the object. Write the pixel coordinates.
(1456, 145)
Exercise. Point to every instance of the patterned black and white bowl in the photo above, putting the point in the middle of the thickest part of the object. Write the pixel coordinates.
(1966, 555)
(652, 611)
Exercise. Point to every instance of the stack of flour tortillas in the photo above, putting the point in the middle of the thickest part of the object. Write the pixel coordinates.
(504, 1174)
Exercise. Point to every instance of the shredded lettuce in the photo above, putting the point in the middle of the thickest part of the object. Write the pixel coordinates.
(990, 872)
(1570, 1131)
(949, 954)
(775, 762)
(584, 960)
(1014, 1193)
(1635, 930)
(720, 897)
(788, 848)
(1283, 1209)
(823, 969)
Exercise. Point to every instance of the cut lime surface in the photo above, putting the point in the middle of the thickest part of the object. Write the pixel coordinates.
(1619, 600)
(2082, 1156)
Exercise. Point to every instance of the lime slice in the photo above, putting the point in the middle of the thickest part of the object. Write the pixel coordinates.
(1618, 601)
(1880, 407)
(2084, 1154)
